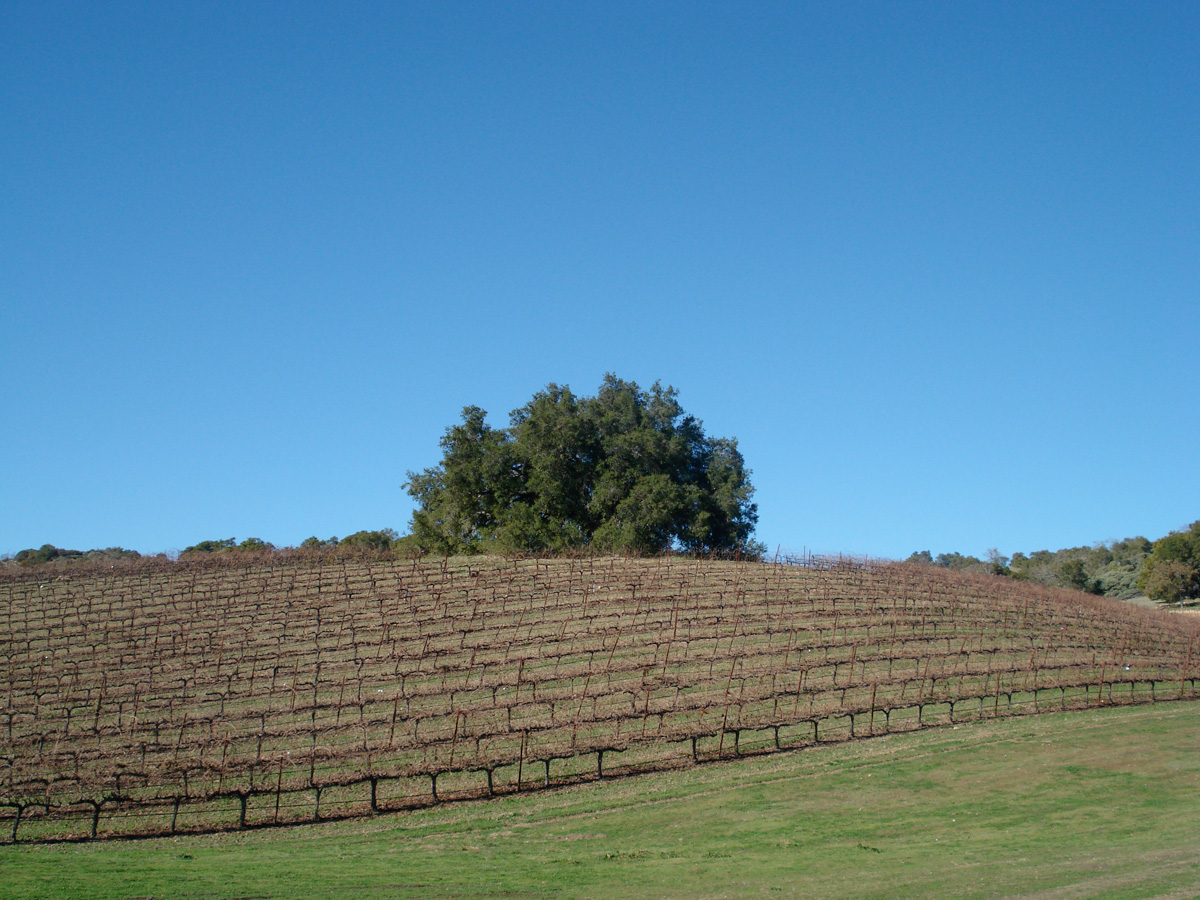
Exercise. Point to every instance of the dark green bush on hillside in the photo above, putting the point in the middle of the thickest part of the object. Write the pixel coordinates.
(371, 540)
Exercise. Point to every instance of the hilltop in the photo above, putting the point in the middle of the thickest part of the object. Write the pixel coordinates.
(181, 698)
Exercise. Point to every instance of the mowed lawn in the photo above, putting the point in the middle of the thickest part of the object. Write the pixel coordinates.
(1096, 804)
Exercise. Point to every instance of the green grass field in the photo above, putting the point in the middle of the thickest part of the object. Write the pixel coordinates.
(1102, 803)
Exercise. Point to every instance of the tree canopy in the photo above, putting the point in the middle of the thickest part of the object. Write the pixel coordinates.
(223, 545)
(49, 553)
(1167, 569)
(625, 471)
(1172, 573)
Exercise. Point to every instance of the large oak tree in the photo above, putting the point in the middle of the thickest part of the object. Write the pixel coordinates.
(625, 471)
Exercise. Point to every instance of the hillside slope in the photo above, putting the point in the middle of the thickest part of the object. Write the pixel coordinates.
(192, 699)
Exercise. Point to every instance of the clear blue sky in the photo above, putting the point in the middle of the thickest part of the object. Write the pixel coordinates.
(935, 265)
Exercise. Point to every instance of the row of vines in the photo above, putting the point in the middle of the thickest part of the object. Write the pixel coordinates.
(184, 700)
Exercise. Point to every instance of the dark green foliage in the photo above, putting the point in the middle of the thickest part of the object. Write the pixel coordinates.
(111, 553)
(1172, 573)
(406, 546)
(625, 471)
(994, 565)
(1111, 569)
(315, 543)
(1073, 573)
(211, 546)
(370, 540)
(1108, 569)
(1121, 568)
(470, 493)
(1171, 581)
(45, 554)
(257, 545)
(49, 553)
(251, 545)
(960, 562)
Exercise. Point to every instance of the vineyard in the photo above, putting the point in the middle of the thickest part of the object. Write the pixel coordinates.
(183, 699)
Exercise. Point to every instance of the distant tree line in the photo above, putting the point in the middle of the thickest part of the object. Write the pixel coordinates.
(48, 553)
(1167, 570)
(383, 542)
